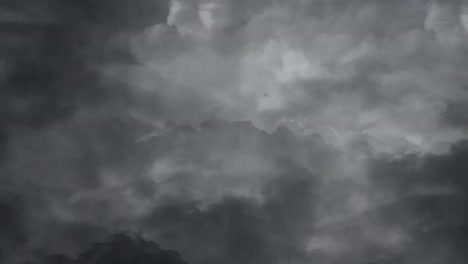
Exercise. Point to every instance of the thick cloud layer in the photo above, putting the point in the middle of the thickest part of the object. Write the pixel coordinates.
(236, 131)
(386, 69)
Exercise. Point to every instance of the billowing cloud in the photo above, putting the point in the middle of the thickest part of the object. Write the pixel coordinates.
(382, 69)
(236, 131)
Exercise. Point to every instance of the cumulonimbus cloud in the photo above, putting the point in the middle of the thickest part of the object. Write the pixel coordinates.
(236, 131)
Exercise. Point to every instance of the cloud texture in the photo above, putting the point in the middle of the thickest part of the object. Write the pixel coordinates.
(236, 131)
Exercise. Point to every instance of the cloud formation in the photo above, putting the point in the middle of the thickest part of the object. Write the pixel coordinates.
(236, 131)
(383, 69)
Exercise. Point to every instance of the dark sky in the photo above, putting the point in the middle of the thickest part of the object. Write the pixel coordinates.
(236, 131)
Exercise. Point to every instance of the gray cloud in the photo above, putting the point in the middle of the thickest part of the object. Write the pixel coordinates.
(454, 114)
(335, 130)
(388, 66)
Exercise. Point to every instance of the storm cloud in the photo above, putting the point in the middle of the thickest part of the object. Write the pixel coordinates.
(236, 131)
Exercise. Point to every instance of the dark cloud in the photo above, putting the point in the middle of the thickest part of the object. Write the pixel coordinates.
(430, 205)
(185, 189)
(455, 114)
(234, 131)
(12, 228)
(240, 230)
(50, 56)
(118, 248)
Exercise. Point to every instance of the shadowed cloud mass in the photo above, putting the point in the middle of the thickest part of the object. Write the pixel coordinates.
(232, 131)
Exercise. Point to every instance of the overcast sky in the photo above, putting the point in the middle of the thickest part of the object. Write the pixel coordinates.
(236, 131)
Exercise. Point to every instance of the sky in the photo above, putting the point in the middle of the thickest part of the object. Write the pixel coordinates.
(236, 131)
